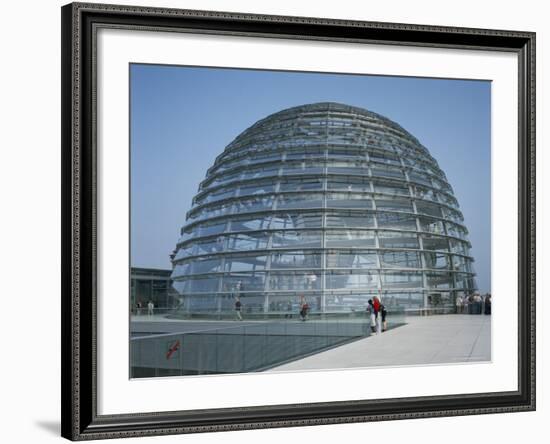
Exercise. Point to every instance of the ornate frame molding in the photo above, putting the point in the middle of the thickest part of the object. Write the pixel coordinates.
(80, 420)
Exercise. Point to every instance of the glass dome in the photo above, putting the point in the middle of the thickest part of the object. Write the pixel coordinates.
(326, 202)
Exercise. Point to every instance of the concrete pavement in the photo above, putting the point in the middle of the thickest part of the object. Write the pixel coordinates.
(424, 340)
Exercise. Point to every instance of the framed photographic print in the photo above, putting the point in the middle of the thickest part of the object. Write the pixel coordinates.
(277, 221)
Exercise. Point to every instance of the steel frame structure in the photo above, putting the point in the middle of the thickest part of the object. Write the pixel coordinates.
(327, 202)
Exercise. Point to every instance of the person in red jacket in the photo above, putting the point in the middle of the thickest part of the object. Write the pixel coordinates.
(377, 304)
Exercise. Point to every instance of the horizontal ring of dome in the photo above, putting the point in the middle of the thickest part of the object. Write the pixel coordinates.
(322, 160)
(370, 195)
(283, 146)
(323, 174)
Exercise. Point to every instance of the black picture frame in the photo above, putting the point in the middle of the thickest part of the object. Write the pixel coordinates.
(80, 420)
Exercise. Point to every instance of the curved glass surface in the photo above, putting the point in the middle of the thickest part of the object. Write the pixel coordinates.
(326, 202)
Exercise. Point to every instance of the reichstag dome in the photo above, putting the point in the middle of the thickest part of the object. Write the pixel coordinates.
(324, 202)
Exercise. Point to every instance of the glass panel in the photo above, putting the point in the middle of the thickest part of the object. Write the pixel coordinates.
(289, 221)
(435, 243)
(437, 260)
(345, 153)
(348, 200)
(464, 281)
(208, 265)
(344, 220)
(397, 220)
(306, 152)
(243, 282)
(453, 215)
(301, 184)
(307, 220)
(400, 259)
(211, 229)
(222, 178)
(291, 201)
(403, 299)
(252, 241)
(394, 189)
(219, 194)
(446, 198)
(459, 247)
(266, 156)
(210, 246)
(228, 164)
(304, 168)
(181, 269)
(343, 259)
(428, 208)
(348, 167)
(401, 280)
(424, 179)
(185, 251)
(295, 259)
(351, 279)
(424, 193)
(350, 238)
(180, 286)
(256, 204)
(387, 171)
(389, 239)
(455, 230)
(439, 280)
(296, 239)
(431, 225)
(384, 157)
(250, 223)
(188, 234)
(341, 137)
(257, 188)
(202, 285)
(245, 263)
(346, 183)
(295, 281)
(396, 204)
(440, 185)
(261, 172)
(211, 211)
(460, 263)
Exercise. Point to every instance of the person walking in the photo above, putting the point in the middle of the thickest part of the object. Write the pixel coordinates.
(377, 303)
(477, 303)
(459, 303)
(383, 314)
(471, 306)
(372, 315)
(138, 308)
(238, 308)
(150, 308)
(488, 304)
(304, 307)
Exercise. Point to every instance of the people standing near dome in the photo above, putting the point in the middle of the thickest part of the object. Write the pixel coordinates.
(238, 307)
(378, 321)
(488, 304)
(382, 315)
(304, 307)
(459, 304)
(372, 315)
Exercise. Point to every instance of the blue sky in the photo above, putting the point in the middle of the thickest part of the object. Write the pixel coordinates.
(183, 117)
